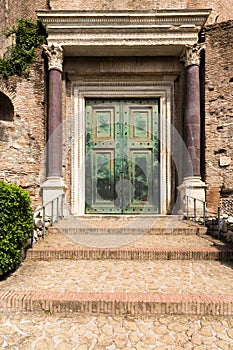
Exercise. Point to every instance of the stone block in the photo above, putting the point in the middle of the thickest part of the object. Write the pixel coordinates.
(223, 226)
(224, 161)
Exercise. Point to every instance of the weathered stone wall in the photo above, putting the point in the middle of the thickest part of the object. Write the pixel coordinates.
(222, 229)
(10, 10)
(221, 9)
(219, 111)
(3, 19)
(22, 141)
(22, 9)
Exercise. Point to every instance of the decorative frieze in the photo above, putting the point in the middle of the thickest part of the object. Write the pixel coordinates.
(163, 18)
(54, 54)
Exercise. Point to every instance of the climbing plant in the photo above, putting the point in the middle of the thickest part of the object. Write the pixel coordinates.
(27, 35)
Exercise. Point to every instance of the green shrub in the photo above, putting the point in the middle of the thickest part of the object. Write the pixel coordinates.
(16, 225)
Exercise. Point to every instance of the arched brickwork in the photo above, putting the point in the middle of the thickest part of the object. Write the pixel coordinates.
(6, 108)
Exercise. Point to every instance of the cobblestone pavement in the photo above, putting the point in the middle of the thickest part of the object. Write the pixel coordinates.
(40, 331)
(124, 276)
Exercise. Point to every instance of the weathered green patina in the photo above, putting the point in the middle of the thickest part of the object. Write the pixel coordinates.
(122, 156)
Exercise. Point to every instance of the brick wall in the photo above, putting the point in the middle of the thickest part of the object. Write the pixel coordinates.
(219, 111)
(2, 25)
(22, 141)
(221, 8)
(117, 5)
(224, 10)
(10, 10)
(23, 9)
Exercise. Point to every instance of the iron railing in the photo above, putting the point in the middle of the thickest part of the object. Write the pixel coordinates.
(202, 212)
(49, 214)
(227, 206)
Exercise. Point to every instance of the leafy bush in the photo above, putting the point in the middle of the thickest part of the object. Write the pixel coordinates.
(28, 35)
(16, 225)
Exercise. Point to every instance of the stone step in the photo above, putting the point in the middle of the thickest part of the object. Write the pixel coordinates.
(153, 304)
(117, 291)
(220, 254)
(129, 247)
(120, 287)
(129, 231)
(139, 225)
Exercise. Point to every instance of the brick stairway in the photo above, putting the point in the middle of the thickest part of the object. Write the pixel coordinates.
(117, 266)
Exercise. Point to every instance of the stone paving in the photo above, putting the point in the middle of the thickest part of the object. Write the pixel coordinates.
(60, 239)
(123, 276)
(142, 221)
(40, 331)
(75, 331)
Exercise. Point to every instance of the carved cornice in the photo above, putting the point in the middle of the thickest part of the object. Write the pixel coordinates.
(80, 31)
(192, 54)
(124, 19)
(54, 54)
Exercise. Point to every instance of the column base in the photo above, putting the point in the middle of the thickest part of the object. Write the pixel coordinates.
(192, 187)
(51, 189)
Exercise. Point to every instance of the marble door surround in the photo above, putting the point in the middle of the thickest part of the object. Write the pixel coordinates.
(159, 33)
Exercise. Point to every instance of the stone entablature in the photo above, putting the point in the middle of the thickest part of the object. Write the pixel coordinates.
(159, 33)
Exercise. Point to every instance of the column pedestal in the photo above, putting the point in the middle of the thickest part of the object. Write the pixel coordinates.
(51, 189)
(192, 187)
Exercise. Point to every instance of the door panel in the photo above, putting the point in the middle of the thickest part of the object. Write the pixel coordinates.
(102, 121)
(140, 124)
(122, 156)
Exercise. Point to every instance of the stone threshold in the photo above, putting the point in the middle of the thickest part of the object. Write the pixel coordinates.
(213, 253)
(117, 303)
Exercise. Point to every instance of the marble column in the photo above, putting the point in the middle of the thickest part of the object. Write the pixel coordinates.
(54, 185)
(192, 184)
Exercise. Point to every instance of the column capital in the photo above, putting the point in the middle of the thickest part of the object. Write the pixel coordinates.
(54, 53)
(192, 54)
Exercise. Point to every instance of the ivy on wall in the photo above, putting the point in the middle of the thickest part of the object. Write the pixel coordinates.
(27, 35)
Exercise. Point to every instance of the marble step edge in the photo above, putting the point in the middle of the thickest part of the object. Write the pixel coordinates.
(129, 231)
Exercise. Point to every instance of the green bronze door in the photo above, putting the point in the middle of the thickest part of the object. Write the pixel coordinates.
(122, 156)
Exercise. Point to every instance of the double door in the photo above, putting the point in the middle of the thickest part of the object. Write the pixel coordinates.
(122, 156)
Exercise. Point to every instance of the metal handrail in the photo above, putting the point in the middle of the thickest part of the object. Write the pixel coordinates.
(204, 210)
(55, 215)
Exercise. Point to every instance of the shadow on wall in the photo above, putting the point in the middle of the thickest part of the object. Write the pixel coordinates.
(6, 108)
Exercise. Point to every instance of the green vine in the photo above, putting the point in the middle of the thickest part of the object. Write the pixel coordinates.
(28, 35)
